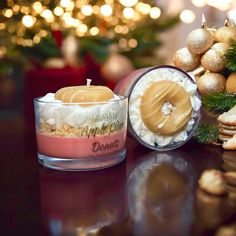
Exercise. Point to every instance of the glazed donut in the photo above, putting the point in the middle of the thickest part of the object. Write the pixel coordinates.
(156, 97)
(77, 94)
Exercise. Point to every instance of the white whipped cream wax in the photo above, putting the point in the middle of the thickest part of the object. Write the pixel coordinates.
(55, 112)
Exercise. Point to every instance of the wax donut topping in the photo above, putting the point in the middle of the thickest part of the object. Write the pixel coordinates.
(77, 94)
(165, 107)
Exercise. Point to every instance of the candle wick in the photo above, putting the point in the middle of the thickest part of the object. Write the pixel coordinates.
(89, 82)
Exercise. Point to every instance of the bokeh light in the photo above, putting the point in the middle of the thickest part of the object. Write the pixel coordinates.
(155, 12)
(128, 3)
(128, 12)
(87, 10)
(106, 10)
(199, 3)
(28, 21)
(187, 16)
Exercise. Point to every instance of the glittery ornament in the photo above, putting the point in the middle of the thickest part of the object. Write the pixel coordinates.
(186, 60)
(225, 34)
(213, 60)
(116, 67)
(221, 47)
(231, 83)
(210, 83)
(54, 62)
(199, 41)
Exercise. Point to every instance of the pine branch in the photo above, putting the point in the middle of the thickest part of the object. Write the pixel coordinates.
(231, 57)
(219, 102)
(207, 133)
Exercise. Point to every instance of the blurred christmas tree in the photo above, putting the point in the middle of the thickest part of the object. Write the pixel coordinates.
(35, 31)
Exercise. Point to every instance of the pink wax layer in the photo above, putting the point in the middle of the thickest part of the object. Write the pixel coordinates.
(80, 147)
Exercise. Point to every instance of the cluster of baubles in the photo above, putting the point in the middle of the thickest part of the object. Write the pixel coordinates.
(204, 57)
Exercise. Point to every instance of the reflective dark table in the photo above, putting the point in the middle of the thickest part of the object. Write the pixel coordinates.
(149, 193)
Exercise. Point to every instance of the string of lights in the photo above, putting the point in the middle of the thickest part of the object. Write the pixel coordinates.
(26, 22)
(104, 18)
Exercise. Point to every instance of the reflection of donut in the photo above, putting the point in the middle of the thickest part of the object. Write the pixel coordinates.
(164, 182)
(165, 107)
(84, 94)
(160, 184)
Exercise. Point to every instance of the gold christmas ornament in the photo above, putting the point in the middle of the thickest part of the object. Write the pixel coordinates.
(226, 34)
(54, 62)
(221, 47)
(213, 60)
(199, 41)
(186, 60)
(116, 67)
(211, 83)
(231, 83)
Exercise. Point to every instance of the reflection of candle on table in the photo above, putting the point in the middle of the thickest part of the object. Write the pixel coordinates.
(82, 201)
(85, 126)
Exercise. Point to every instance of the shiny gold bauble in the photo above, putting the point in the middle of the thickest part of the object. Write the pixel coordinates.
(211, 83)
(213, 60)
(116, 67)
(199, 41)
(231, 83)
(225, 34)
(221, 47)
(186, 60)
(54, 62)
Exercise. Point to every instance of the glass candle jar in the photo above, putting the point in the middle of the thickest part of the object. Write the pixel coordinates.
(164, 106)
(80, 136)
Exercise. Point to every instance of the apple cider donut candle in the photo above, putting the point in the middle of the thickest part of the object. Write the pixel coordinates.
(81, 128)
(164, 106)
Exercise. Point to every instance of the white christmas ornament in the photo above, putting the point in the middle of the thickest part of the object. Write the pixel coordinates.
(70, 51)
(116, 67)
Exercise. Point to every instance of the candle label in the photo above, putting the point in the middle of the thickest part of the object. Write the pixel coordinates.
(97, 146)
(104, 117)
(94, 125)
(104, 129)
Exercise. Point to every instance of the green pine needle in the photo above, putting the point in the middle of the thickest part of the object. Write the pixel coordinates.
(207, 133)
(219, 102)
(231, 57)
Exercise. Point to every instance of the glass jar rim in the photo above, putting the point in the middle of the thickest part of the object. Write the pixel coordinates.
(114, 100)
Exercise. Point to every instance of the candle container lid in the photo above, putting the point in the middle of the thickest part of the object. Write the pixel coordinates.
(164, 106)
